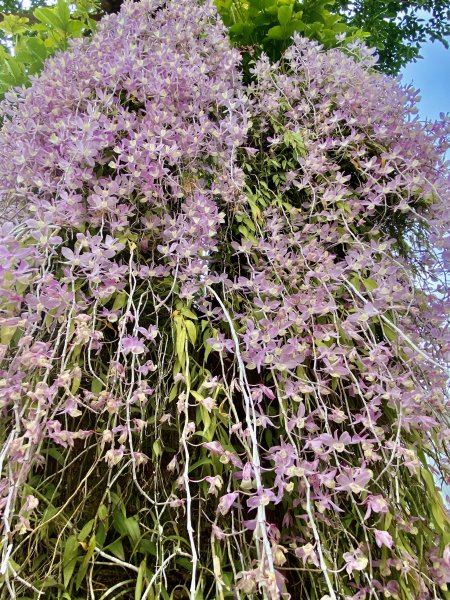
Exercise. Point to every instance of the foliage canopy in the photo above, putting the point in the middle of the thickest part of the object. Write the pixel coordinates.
(396, 28)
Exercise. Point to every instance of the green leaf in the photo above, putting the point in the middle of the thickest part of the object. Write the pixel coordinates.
(15, 74)
(132, 529)
(370, 284)
(157, 450)
(75, 28)
(62, 9)
(173, 393)
(85, 562)
(76, 381)
(191, 331)
(100, 535)
(147, 547)
(116, 549)
(53, 452)
(387, 520)
(297, 26)
(7, 334)
(276, 33)
(180, 343)
(188, 313)
(200, 463)
(119, 523)
(390, 332)
(96, 386)
(37, 47)
(49, 17)
(120, 300)
(86, 530)
(14, 24)
(49, 513)
(197, 396)
(435, 502)
(285, 14)
(102, 512)
(70, 557)
(140, 581)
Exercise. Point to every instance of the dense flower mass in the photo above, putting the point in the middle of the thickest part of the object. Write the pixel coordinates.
(222, 323)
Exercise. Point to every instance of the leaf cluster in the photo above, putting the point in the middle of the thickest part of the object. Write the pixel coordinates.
(397, 28)
(268, 25)
(30, 38)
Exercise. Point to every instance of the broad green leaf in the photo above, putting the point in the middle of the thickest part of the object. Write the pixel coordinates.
(96, 385)
(70, 556)
(157, 450)
(285, 14)
(197, 396)
(85, 562)
(76, 381)
(180, 343)
(390, 332)
(132, 529)
(49, 17)
(370, 284)
(62, 9)
(120, 300)
(119, 523)
(54, 453)
(116, 549)
(147, 547)
(191, 331)
(49, 513)
(199, 463)
(435, 502)
(75, 28)
(102, 512)
(86, 530)
(15, 70)
(276, 33)
(173, 393)
(7, 334)
(188, 313)
(34, 48)
(14, 24)
(140, 581)
(37, 48)
(100, 535)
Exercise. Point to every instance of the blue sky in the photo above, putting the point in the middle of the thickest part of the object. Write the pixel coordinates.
(432, 76)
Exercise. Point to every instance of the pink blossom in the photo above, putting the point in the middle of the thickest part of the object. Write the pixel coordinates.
(214, 448)
(215, 484)
(133, 344)
(307, 554)
(226, 502)
(377, 504)
(355, 561)
(262, 498)
(383, 538)
(217, 532)
(31, 503)
(353, 480)
(114, 456)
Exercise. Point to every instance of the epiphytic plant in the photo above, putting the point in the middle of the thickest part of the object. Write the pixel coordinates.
(222, 323)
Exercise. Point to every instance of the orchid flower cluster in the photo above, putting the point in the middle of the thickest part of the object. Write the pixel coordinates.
(223, 323)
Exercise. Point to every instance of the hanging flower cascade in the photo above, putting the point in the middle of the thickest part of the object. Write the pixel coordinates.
(222, 323)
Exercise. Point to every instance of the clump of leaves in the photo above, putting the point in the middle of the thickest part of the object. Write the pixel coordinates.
(29, 40)
(398, 29)
(268, 25)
